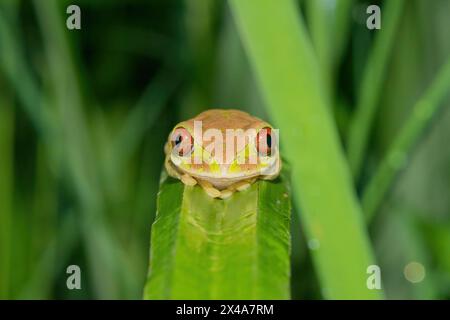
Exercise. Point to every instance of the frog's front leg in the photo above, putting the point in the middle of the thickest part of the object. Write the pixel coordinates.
(243, 184)
(213, 192)
(225, 194)
(209, 189)
(270, 177)
(238, 186)
(173, 172)
(188, 180)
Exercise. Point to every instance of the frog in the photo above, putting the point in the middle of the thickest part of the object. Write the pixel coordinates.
(193, 162)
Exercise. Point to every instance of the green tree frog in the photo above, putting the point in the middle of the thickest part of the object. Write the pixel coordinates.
(223, 151)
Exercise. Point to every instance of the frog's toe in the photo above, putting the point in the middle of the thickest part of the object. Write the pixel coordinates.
(242, 186)
(188, 180)
(270, 177)
(209, 189)
(225, 194)
(212, 192)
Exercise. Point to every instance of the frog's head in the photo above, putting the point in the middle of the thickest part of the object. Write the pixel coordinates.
(229, 145)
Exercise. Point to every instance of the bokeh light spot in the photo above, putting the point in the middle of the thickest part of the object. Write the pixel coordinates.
(414, 272)
(313, 244)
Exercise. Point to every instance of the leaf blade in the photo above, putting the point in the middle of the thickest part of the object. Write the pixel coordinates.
(289, 77)
(220, 249)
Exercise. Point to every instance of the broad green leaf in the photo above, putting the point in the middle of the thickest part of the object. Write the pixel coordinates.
(204, 248)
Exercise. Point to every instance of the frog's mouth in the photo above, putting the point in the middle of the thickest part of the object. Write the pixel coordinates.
(227, 175)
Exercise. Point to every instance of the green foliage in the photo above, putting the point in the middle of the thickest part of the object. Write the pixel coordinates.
(422, 113)
(6, 194)
(84, 116)
(320, 176)
(205, 248)
(370, 90)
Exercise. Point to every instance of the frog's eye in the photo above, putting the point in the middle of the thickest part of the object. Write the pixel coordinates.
(264, 142)
(182, 142)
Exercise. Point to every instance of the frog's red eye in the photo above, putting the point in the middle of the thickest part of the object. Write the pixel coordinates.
(264, 142)
(182, 142)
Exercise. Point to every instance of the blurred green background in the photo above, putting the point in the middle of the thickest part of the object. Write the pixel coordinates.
(84, 115)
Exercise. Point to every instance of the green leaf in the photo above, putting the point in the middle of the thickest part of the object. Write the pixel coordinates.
(282, 58)
(205, 248)
(371, 86)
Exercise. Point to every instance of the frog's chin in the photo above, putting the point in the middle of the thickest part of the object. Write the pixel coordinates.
(224, 179)
(223, 183)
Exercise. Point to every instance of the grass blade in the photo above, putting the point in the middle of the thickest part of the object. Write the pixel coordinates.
(102, 248)
(140, 118)
(396, 156)
(371, 86)
(204, 248)
(289, 78)
(6, 193)
(13, 64)
(54, 258)
(320, 21)
(342, 27)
